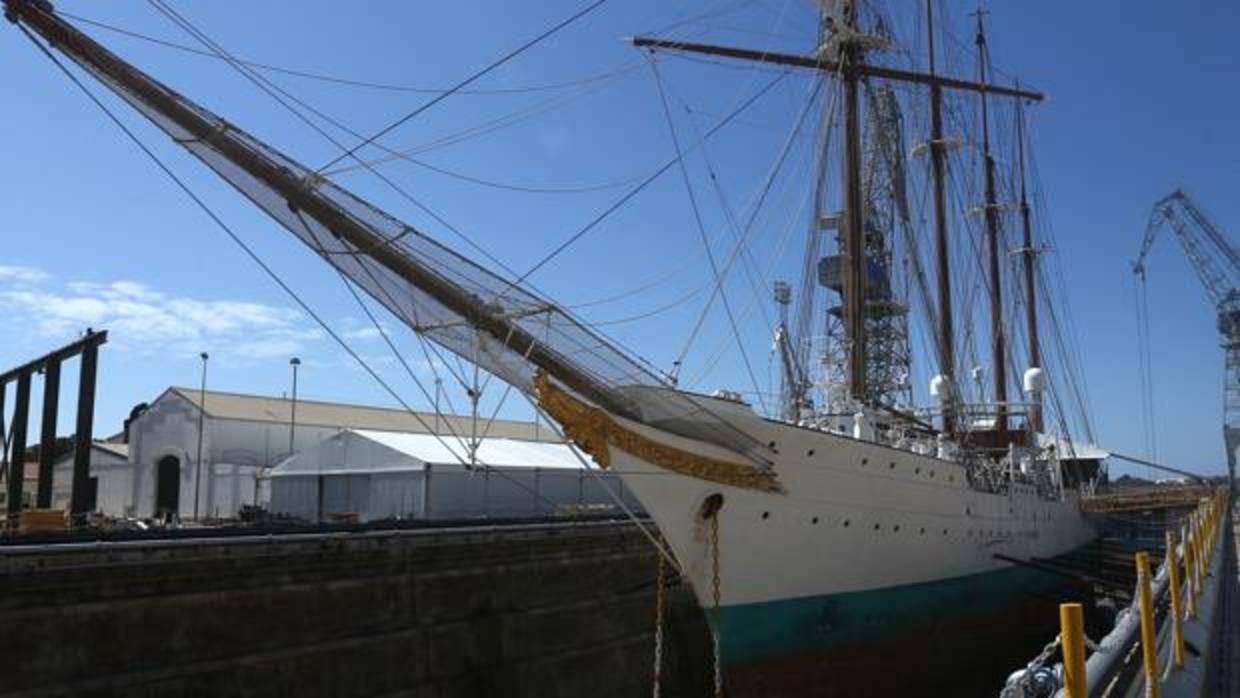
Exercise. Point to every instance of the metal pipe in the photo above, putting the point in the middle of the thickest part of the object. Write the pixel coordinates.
(292, 419)
(267, 538)
(202, 411)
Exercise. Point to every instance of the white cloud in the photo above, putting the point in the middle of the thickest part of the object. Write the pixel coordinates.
(24, 275)
(364, 334)
(147, 321)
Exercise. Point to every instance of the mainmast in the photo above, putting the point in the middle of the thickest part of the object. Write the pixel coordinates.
(942, 253)
(1029, 255)
(997, 343)
(851, 56)
(847, 62)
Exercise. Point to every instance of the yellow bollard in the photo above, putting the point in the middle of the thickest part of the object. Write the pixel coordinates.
(1196, 529)
(1177, 617)
(1190, 579)
(1148, 650)
(1072, 634)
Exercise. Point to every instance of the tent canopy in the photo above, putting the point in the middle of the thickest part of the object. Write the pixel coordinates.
(358, 451)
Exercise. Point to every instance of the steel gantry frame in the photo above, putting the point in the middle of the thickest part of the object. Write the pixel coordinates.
(14, 435)
(1217, 264)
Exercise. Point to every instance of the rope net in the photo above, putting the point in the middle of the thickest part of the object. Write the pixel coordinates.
(471, 311)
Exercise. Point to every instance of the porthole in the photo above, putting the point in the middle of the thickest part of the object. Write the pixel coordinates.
(766, 515)
(771, 445)
(810, 452)
(945, 531)
(847, 523)
(877, 526)
(917, 471)
(931, 473)
(891, 465)
(923, 531)
(951, 478)
(896, 528)
(865, 461)
(814, 520)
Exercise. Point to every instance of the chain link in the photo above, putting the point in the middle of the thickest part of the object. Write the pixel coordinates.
(714, 550)
(659, 601)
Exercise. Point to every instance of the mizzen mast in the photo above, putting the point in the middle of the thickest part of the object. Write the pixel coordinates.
(1029, 258)
(997, 343)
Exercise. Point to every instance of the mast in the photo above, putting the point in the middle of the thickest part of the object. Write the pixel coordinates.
(946, 339)
(1029, 255)
(854, 242)
(997, 343)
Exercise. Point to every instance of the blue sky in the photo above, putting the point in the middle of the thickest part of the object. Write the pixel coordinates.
(1143, 99)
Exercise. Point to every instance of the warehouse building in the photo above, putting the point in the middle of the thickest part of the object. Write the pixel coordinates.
(242, 438)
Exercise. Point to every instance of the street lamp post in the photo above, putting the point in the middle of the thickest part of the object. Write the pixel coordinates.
(202, 411)
(292, 421)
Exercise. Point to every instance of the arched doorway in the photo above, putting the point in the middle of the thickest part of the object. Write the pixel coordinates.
(167, 486)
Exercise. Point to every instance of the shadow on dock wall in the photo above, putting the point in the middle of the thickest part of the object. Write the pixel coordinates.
(561, 611)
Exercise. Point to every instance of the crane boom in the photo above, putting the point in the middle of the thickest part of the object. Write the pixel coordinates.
(1214, 259)
(1217, 264)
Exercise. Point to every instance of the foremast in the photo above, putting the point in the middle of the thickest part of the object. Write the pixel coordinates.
(482, 317)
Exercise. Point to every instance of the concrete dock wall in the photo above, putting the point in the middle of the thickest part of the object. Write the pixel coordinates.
(521, 611)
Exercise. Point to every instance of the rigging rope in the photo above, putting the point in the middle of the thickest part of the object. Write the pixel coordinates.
(1145, 367)
(249, 251)
(353, 82)
(697, 216)
(572, 239)
(453, 90)
(765, 191)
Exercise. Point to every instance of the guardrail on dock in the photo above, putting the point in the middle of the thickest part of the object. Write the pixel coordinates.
(1184, 591)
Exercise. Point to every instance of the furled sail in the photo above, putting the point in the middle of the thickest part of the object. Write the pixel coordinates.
(442, 295)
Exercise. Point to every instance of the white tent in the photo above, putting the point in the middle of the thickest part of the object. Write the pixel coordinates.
(382, 475)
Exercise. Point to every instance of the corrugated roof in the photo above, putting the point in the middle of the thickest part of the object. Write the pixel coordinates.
(260, 408)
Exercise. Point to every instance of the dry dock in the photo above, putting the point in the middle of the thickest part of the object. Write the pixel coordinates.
(521, 610)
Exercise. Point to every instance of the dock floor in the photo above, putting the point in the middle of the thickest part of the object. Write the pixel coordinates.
(1226, 679)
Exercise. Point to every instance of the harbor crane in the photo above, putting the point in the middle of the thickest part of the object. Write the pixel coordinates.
(1217, 265)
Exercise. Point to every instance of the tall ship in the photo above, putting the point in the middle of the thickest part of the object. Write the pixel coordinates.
(845, 524)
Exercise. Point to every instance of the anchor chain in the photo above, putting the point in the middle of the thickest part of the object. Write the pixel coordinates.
(714, 549)
(659, 601)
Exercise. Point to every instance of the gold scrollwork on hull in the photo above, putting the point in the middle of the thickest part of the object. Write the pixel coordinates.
(594, 431)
